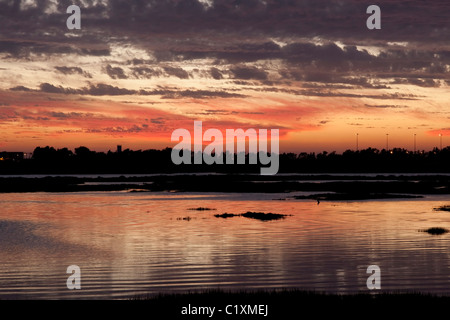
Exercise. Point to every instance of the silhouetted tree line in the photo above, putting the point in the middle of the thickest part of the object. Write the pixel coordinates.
(49, 160)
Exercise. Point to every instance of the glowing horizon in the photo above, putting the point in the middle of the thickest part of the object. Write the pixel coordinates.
(320, 83)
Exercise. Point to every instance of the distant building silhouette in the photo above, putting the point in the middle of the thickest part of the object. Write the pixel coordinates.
(119, 148)
(15, 156)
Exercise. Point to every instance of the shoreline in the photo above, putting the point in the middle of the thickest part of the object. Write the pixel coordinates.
(323, 187)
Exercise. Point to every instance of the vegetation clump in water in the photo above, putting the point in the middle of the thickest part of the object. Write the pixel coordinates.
(226, 215)
(263, 216)
(435, 231)
(254, 215)
(442, 208)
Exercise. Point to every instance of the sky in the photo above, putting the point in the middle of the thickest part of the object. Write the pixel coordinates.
(138, 70)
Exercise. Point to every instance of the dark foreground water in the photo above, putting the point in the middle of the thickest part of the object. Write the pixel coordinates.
(129, 244)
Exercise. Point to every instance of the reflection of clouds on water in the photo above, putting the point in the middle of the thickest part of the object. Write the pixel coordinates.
(134, 243)
(34, 264)
(21, 235)
(29, 238)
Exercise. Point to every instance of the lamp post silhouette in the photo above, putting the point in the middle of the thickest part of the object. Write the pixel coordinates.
(387, 141)
(414, 143)
(440, 141)
(357, 142)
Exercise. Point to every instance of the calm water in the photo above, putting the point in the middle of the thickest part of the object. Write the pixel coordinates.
(129, 244)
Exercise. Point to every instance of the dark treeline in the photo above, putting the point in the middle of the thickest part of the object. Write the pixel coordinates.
(49, 160)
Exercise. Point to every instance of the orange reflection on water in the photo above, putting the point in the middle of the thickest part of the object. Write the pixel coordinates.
(139, 243)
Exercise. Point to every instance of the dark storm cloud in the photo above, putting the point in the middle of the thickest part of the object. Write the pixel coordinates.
(337, 19)
(49, 88)
(240, 36)
(73, 70)
(21, 49)
(418, 82)
(331, 53)
(388, 63)
(95, 90)
(415, 20)
(21, 88)
(145, 72)
(329, 93)
(325, 91)
(137, 62)
(115, 72)
(177, 72)
(69, 70)
(102, 89)
(200, 94)
(95, 52)
(216, 74)
(331, 80)
(248, 73)
(297, 52)
(240, 52)
(105, 90)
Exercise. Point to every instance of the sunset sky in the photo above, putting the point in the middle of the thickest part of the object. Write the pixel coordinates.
(137, 70)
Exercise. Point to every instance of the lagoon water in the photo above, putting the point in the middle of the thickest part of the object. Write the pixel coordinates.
(129, 244)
